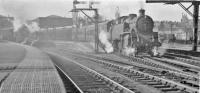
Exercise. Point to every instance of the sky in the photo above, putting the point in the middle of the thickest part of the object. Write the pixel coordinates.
(30, 9)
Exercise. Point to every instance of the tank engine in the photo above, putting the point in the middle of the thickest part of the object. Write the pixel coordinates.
(131, 35)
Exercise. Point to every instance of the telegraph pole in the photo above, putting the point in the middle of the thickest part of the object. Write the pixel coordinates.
(74, 17)
(96, 30)
(95, 21)
(195, 23)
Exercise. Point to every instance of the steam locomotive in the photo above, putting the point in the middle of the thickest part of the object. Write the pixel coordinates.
(132, 35)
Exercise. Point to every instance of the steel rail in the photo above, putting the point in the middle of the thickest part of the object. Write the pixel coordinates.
(76, 86)
(108, 80)
(183, 87)
(153, 68)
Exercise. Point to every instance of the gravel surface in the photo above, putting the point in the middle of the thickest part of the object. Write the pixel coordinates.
(10, 56)
(35, 73)
(11, 53)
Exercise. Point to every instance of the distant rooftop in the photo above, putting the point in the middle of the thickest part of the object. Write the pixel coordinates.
(53, 21)
(6, 22)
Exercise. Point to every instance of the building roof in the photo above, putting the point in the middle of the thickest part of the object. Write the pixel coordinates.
(6, 22)
(54, 21)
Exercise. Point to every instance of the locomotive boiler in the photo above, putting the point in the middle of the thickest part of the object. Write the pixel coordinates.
(129, 35)
(132, 35)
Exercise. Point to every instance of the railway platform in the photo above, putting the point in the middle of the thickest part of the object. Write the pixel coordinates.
(26, 69)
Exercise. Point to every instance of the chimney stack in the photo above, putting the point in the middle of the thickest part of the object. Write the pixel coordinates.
(142, 12)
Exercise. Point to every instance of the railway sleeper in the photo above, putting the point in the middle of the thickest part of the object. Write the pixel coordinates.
(138, 76)
(191, 84)
(137, 73)
(147, 81)
(98, 90)
(142, 79)
(155, 82)
(85, 87)
(169, 89)
(89, 83)
(113, 86)
(122, 82)
(185, 59)
(161, 86)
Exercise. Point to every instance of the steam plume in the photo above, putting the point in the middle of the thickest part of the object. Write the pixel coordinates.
(33, 27)
(20, 10)
(162, 49)
(142, 4)
(17, 24)
(129, 51)
(103, 37)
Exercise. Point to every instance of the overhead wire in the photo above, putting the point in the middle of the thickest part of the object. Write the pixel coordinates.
(181, 5)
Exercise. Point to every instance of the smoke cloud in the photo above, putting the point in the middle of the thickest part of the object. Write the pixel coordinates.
(33, 27)
(142, 4)
(162, 49)
(22, 11)
(17, 24)
(17, 10)
(129, 51)
(103, 37)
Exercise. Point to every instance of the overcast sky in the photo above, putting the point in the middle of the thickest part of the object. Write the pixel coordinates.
(28, 9)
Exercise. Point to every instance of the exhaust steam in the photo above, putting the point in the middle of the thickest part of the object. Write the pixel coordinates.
(33, 27)
(103, 37)
(21, 11)
(129, 51)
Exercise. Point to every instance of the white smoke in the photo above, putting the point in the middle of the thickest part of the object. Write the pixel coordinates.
(103, 37)
(162, 49)
(129, 51)
(33, 27)
(155, 51)
(142, 4)
(17, 24)
(20, 10)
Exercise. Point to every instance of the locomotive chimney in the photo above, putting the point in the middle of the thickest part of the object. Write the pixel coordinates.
(142, 12)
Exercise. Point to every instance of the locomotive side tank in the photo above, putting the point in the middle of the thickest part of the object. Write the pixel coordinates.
(135, 34)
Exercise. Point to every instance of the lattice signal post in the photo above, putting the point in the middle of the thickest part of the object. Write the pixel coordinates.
(94, 21)
(195, 14)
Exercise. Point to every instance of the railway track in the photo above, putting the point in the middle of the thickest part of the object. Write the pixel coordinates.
(145, 63)
(186, 53)
(179, 64)
(183, 58)
(69, 85)
(161, 80)
(158, 64)
(84, 79)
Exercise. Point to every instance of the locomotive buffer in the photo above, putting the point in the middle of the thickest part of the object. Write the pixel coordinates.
(195, 15)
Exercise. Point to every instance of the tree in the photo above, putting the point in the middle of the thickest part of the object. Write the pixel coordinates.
(186, 26)
(161, 27)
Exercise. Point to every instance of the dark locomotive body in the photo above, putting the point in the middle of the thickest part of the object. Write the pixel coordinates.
(131, 35)
(134, 34)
